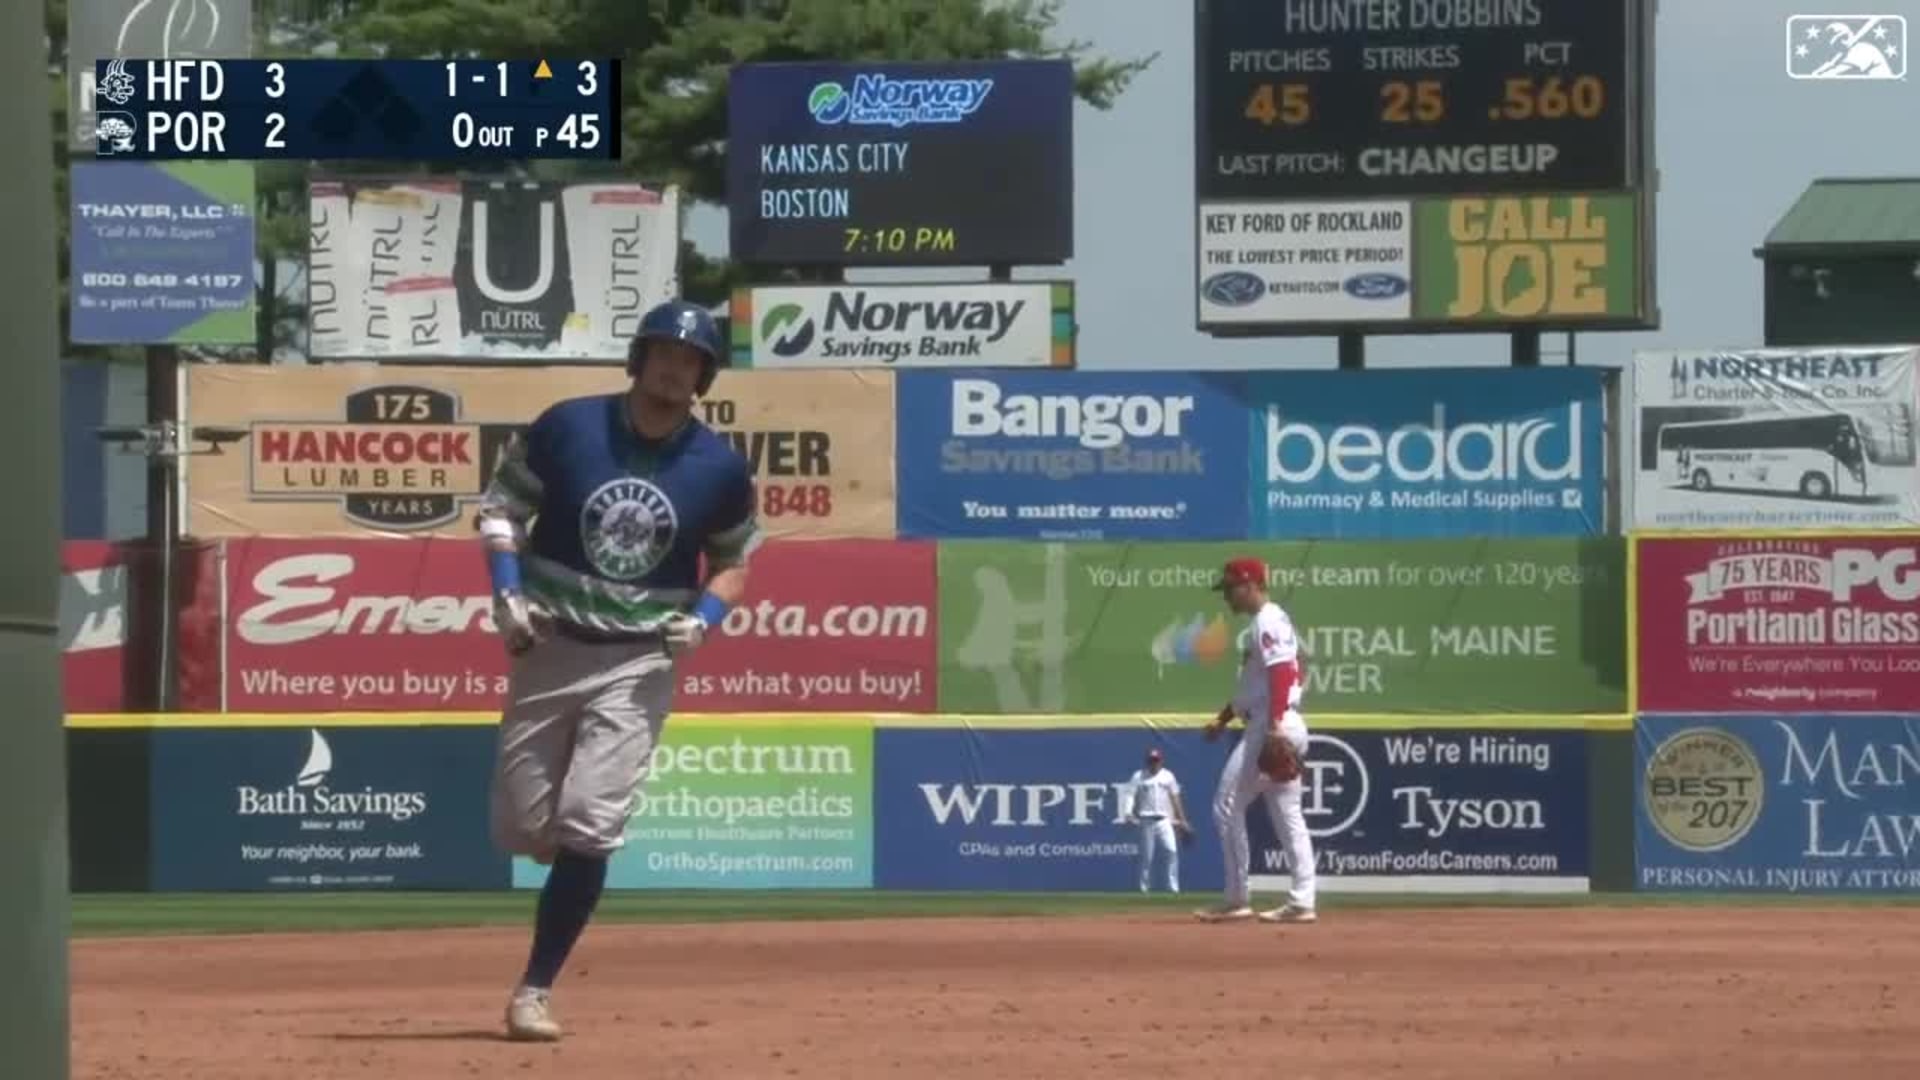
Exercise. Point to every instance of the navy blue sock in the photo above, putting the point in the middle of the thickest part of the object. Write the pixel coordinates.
(566, 904)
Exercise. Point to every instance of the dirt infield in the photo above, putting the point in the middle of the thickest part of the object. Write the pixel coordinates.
(1691, 993)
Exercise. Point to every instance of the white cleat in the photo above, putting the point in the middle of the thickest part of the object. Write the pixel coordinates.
(529, 1019)
(1288, 913)
(1224, 913)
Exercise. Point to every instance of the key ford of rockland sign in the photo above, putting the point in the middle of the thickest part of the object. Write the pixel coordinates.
(1024, 324)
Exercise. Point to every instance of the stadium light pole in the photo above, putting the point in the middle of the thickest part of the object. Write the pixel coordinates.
(33, 804)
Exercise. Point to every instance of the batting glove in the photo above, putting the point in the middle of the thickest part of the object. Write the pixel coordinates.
(683, 631)
(514, 620)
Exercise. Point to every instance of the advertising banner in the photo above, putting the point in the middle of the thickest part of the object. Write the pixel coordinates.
(1828, 623)
(141, 29)
(1819, 439)
(1547, 258)
(1426, 627)
(93, 626)
(373, 450)
(473, 269)
(407, 625)
(1267, 262)
(1459, 809)
(108, 593)
(162, 253)
(323, 809)
(1789, 803)
(749, 806)
(1071, 455)
(1000, 809)
(1440, 452)
(1018, 324)
(1042, 810)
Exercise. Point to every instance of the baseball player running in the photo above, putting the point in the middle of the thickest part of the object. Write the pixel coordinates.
(1266, 764)
(1154, 806)
(594, 525)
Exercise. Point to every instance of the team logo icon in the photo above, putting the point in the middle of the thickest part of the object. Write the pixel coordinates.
(116, 86)
(627, 527)
(1336, 786)
(1846, 46)
(113, 134)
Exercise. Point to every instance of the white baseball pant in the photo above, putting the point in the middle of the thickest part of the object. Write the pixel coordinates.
(1157, 833)
(1241, 782)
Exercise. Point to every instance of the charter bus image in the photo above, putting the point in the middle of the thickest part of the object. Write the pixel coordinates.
(1819, 456)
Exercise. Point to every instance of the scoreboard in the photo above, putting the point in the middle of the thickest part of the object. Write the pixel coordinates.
(1421, 165)
(960, 163)
(257, 110)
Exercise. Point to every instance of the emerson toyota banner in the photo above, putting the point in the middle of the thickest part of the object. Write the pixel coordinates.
(1020, 324)
(385, 625)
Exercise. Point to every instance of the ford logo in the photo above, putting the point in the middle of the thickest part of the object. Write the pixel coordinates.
(1375, 286)
(1234, 288)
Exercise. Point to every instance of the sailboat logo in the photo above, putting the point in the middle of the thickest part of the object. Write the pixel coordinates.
(319, 762)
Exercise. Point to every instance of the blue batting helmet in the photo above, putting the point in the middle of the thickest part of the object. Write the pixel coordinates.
(678, 320)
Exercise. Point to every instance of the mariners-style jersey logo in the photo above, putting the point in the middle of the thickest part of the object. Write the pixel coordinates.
(627, 527)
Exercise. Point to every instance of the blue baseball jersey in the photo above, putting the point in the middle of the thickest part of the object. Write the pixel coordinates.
(618, 523)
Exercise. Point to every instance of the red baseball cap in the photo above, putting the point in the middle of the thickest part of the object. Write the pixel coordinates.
(1153, 754)
(1243, 570)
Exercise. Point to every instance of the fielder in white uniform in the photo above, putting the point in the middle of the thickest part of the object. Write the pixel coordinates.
(1267, 763)
(1154, 807)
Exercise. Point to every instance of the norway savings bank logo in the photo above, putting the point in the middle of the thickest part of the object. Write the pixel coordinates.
(786, 330)
(888, 102)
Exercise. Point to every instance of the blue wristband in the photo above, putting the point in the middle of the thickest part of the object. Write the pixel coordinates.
(711, 609)
(504, 568)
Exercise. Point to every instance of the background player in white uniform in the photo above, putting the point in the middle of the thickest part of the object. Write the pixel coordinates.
(1154, 806)
(596, 524)
(1266, 764)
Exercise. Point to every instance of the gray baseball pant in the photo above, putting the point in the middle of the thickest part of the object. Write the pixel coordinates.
(576, 742)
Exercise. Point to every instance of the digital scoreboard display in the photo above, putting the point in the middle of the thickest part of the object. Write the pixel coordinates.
(259, 110)
(1412, 165)
(901, 164)
(1414, 97)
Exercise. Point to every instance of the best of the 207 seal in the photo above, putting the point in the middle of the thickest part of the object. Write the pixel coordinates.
(1703, 789)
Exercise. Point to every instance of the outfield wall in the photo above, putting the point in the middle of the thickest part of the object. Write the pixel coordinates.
(293, 802)
(1729, 710)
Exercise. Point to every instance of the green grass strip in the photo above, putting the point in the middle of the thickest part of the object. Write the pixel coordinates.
(121, 915)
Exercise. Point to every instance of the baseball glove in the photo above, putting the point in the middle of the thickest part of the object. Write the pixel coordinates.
(1278, 760)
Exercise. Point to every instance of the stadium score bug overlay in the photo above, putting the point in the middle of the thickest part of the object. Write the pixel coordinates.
(1413, 166)
(260, 110)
